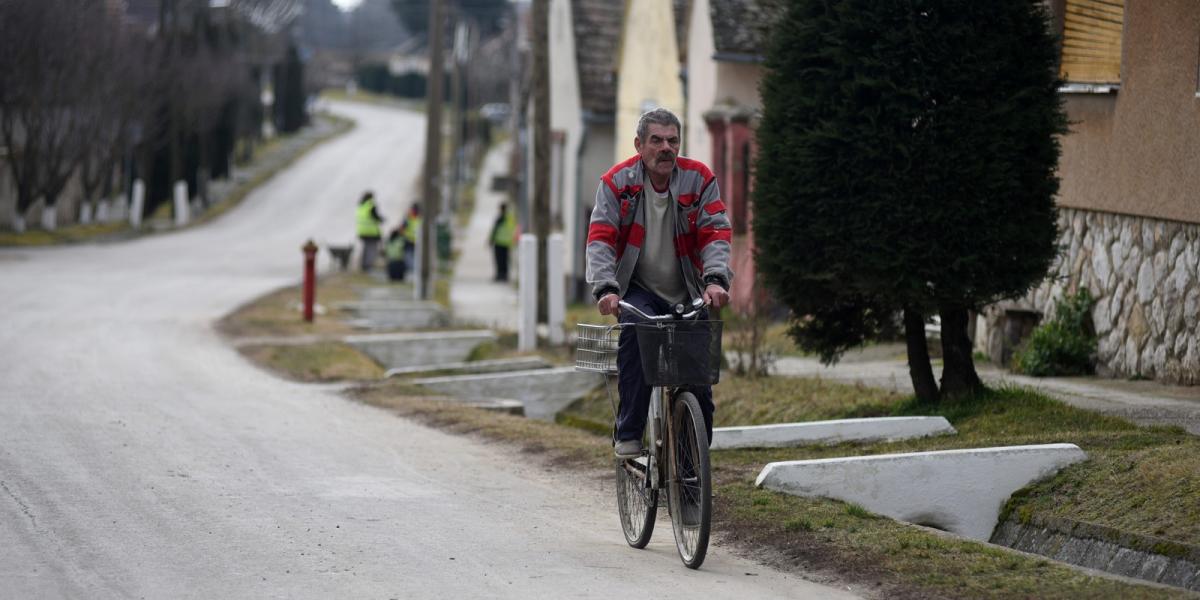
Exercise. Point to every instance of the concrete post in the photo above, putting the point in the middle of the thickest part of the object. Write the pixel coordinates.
(137, 203)
(182, 210)
(527, 293)
(50, 218)
(556, 299)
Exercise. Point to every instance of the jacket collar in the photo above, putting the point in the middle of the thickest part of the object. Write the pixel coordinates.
(639, 175)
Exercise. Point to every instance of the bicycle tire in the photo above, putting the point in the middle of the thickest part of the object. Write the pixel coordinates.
(636, 505)
(690, 489)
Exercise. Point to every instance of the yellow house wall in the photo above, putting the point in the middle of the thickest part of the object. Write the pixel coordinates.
(648, 68)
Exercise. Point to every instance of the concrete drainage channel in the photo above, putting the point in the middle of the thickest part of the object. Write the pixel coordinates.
(522, 385)
(1082, 544)
(959, 491)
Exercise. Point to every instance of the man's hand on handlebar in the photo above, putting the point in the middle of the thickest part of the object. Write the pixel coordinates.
(714, 296)
(608, 304)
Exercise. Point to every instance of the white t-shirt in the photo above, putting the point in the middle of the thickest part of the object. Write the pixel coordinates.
(657, 269)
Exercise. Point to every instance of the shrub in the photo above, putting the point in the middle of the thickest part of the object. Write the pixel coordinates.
(1064, 346)
(908, 162)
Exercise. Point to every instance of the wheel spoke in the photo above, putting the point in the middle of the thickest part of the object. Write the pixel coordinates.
(690, 508)
(636, 505)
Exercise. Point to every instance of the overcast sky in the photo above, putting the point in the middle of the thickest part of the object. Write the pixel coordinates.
(346, 4)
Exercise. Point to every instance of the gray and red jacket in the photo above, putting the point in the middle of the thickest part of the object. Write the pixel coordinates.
(617, 229)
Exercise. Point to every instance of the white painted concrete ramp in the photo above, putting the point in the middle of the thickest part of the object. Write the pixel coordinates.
(544, 392)
(878, 429)
(474, 367)
(960, 491)
(395, 350)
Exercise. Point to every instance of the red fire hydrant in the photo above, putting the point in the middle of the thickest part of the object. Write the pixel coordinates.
(310, 279)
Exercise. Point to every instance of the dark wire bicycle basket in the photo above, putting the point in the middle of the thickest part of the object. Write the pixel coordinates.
(680, 352)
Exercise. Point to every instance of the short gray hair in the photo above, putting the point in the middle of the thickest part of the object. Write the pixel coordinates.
(658, 116)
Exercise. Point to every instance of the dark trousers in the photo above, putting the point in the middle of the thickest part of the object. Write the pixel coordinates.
(369, 252)
(395, 269)
(635, 394)
(501, 255)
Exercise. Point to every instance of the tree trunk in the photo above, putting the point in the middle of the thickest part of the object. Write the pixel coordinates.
(958, 373)
(919, 369)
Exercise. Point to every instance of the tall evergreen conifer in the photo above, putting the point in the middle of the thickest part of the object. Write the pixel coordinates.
(907, 166)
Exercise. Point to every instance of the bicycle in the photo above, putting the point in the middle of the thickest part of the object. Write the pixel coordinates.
(677, 351)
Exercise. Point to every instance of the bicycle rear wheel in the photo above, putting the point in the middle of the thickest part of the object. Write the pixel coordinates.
(690, 485)
(636, 504)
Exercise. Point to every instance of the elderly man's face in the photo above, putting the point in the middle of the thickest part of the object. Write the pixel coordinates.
(659, 149)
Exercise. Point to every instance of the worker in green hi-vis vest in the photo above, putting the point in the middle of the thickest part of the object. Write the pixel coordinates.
(502, 240)
(394, 251)
(368, 221)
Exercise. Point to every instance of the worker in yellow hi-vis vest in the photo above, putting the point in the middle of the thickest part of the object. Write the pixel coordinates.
(503, 233)
(412, 228)
(369, 223)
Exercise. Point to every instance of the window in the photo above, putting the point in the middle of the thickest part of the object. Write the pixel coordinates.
(1091, 52)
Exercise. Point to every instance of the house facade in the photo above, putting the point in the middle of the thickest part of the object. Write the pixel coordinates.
(647, 68)
(583, 37)
(725, 47)
(1130, 196)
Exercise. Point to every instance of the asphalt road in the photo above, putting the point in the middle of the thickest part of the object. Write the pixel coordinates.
(140, 456)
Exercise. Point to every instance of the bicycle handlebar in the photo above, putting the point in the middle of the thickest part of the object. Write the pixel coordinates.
(697, 304)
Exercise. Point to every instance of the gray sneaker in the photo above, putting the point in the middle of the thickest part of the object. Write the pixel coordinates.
(628, 448)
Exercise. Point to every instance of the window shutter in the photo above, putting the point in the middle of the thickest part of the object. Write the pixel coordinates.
(1092, 41)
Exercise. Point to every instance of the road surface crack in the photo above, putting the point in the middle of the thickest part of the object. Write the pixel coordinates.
(24, 507)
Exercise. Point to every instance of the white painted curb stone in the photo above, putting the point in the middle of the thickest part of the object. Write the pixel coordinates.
(960, 491)
(829, 432)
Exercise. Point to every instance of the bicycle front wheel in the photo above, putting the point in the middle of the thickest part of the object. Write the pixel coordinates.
(636, 503)
(690, 485)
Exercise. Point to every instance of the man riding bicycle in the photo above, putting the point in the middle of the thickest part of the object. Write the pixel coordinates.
(659, 236)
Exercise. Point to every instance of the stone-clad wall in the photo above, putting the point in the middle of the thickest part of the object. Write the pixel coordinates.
(1145, 276)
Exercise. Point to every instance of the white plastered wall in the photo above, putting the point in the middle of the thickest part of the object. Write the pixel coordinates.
(701, 83)
(566, 115)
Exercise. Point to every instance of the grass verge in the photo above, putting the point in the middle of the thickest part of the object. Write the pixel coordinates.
(320, 361)
(885, 558)
(278, 313)
(69, 234)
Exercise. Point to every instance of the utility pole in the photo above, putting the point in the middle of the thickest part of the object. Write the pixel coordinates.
(457, 85)
(541, 143)
(433, 152)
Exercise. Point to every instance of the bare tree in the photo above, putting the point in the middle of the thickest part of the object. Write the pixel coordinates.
(114, 103)
(42, 84)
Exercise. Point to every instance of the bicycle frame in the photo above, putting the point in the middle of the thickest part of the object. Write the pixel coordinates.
(658, 472)
(663, 465)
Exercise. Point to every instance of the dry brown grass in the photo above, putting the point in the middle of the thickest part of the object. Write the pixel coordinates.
(278, 314)
(321, 361)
